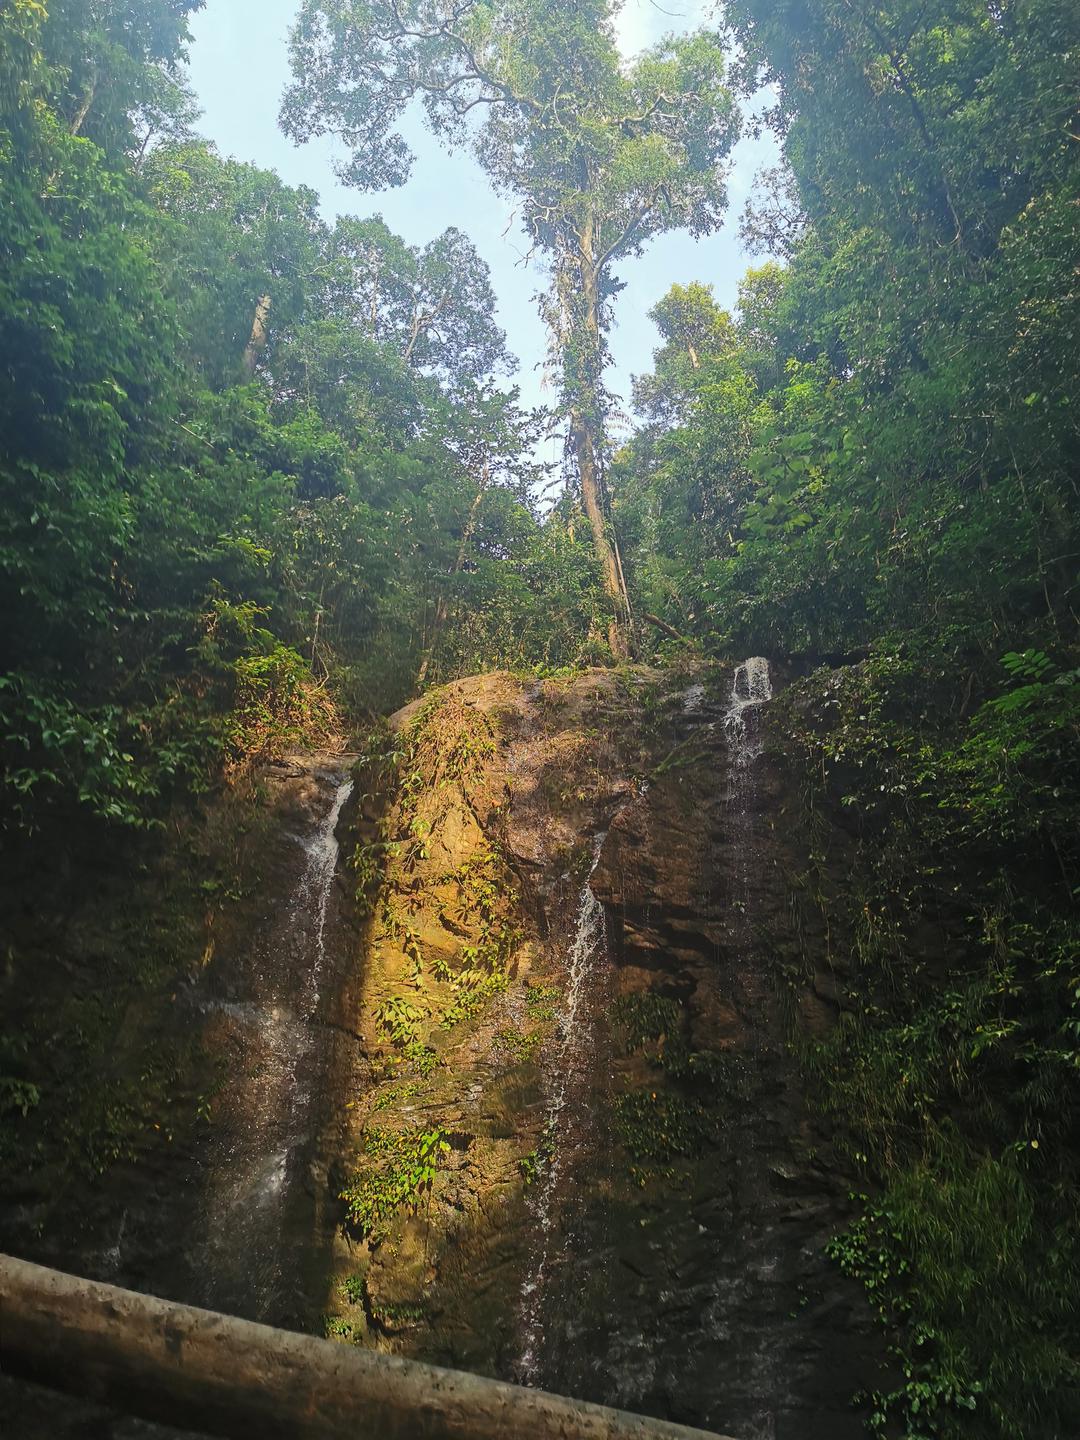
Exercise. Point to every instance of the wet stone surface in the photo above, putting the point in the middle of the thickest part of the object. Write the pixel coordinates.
(636, 1208)
(562, 962)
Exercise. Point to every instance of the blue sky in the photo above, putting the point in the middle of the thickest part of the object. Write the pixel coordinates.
(239, 68)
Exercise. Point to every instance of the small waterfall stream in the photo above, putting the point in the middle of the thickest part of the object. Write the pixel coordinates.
(264, 1117)
(567, 1089)
(313, 894)
(602, 1354)
(761, 1358)
(751, 686)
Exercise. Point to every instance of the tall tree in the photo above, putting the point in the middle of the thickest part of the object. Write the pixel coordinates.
(695, 330)
(239, 253)
(433, 306)
(115, 64)
(603, 155)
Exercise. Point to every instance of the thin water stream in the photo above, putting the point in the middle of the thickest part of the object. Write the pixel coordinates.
(761, 1355)
(751, 686)
(567, 1089)
(575, 1149)
(264, 1117)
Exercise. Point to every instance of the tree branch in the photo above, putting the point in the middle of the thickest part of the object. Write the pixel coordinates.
(638, 220)
(664, 627)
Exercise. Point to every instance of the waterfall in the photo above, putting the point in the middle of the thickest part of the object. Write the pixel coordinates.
(565, 1075)
(762, 1357)
(317, 884)
(751, 685)
(265, 1114)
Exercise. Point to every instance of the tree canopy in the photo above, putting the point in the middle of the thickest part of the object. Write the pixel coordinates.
(603, 156)
(247, 459)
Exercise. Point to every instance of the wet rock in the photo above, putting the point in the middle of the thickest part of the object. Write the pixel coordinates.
(634, 1194)
(674, 1264)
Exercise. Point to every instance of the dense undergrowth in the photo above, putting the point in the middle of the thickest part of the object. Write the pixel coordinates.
(107, 1086)
(943, 856)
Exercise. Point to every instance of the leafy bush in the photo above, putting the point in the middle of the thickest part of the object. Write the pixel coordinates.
(396, 1169)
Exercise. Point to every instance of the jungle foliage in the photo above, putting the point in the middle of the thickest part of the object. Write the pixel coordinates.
(603, 155)
(250, 464)
(261, 476)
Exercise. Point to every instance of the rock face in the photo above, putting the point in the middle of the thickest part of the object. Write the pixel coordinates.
(181, 995)
(578, 1152)
(721, 1305)
(493, 1062)
(268, 1014)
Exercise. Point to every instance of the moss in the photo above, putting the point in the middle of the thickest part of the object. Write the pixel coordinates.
(397, 1314)
(646, 1016)
(395, 1094)
(336, 1327)
(436, 773)
(541, 1001)
(352, 1288)
(656, 1126)
(519, 1046)
(652, 1025)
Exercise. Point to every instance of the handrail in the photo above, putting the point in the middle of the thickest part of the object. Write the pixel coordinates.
(224, 1376)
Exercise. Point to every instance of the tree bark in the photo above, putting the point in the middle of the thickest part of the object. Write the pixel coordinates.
(584, 427)
(84, 105)
(663, 627)
(585, 452)
(224, 1376)
(257, 341)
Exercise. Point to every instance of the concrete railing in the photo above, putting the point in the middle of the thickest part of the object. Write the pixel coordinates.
(223, 1376)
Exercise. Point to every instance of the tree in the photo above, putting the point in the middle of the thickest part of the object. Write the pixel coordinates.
(239, 253)
(695, 330)
(433, 306)
(684, 479)
(603, 157)
(490, 437)
(939, 120)
(114, 63)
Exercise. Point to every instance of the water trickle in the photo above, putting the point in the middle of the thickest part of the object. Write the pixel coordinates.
(693, 700)
(566, 1088)
(264, 1118)
(317, 883)
(761, 1359)
(751, 686)
(110, 1260)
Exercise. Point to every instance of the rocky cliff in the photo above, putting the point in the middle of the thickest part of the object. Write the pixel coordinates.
(576, 1148)
(487, 1053)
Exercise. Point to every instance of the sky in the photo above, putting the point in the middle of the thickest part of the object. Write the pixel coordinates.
(239, 69)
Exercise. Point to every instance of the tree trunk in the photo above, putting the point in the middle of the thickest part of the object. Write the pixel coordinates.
(588, 472)
(442, 608)
(84, 105)
(257, 342)
(664, 627)
(585, 437)
(230, 1377)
